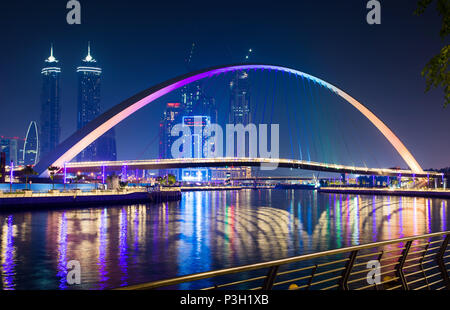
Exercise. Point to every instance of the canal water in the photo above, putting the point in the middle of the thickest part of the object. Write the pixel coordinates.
(124, 245)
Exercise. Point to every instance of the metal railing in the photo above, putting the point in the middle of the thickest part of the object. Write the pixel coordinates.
(412, 263)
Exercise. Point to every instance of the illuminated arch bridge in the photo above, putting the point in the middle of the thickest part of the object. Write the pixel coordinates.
(72, 146)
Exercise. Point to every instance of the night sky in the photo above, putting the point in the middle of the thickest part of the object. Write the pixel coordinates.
(142, 43)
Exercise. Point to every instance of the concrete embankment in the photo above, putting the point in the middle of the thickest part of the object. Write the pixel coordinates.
(445, 194)
(81, 199)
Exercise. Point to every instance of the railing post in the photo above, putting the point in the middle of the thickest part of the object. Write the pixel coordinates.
(441, 263)
(421, 264)
(270, 279)
(343, 285)
(379, 260)
(401, 263)
(313, 272)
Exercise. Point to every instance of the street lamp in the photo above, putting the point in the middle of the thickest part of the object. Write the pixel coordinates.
(65, 176)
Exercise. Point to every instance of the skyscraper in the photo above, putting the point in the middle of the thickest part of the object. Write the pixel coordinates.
(20, 150)
(198, 146)
(89, 84)
(197, 140)
(50, 124)
(107, 150)
(31, 147)
(5, 148)
(197, 105)
(88, 100)
(12, 147)
(171, 117)
(239, 112)
(240, 99)
(190, 95)
(2, 166)
(195, 102)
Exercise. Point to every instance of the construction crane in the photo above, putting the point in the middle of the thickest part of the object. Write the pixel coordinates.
(248, 55)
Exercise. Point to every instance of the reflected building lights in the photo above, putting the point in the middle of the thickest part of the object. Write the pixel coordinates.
(348, 229)
(62, 251)
(8, 253)
(102, 249)
(300, 224)
(291, 226)
(337, 215)
(415, 215)
(400, 218)
(374, 219)
(355, 236)
(388, 217)
(123, 246)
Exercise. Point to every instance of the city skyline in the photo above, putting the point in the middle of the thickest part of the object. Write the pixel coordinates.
(233, 146)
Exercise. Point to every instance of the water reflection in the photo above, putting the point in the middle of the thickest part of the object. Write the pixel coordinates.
(62, 251)
(102, 249)
(206, 230)
(8, 253)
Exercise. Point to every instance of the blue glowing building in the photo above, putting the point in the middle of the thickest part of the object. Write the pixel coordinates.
(89, 85)
(31, 147)
(50, 123)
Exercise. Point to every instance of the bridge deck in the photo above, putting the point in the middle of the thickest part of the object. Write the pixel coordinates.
(154, 164)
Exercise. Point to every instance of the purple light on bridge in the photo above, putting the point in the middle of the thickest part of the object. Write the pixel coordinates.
(65, 173)
(103, 174)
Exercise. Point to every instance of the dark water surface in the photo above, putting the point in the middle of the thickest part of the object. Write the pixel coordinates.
(124, 245)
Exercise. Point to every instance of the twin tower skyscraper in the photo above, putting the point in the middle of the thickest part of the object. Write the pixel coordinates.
(88, 108)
